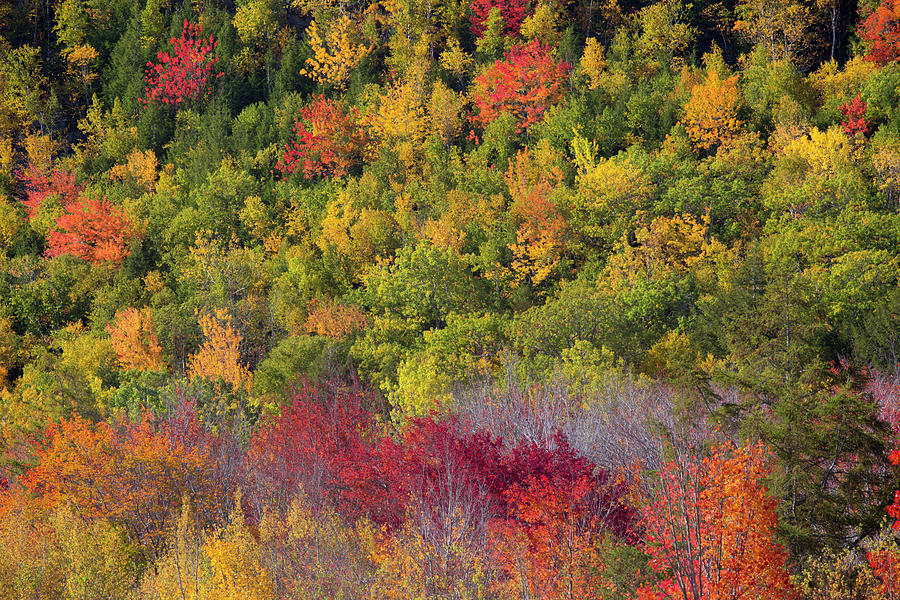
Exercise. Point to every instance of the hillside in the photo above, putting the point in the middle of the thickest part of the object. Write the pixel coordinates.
(459, 299)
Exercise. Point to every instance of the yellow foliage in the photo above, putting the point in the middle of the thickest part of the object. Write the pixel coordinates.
(358, 235)
(593, 63)
(314, 553)
(256, 218)
(40, 150)
(336, 52)
(444, 114)
(886, 163)
(400, 114)
(9, 349)
(833, 82)
(610, 192)
(182, 573)
(535, 254)
(29, 566)
(80, 59)
(444, 234)
(10, 223)
(668, 245)
(778, 26)
(7, 155)
(220, 357)
(822, 153)
(542, 25)
(665, 31)
(835, 576)
(141, 167)
(412, 566)
(234, 559)
(455, 59)
(710, 116)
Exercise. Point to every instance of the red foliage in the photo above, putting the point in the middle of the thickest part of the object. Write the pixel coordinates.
(854, 113)
(40, 186)
(512, 11)
(329, 141)
(183, 73)
(526, 82)
(884, 564)
(94, 231)
(881, 30)
(326, 444)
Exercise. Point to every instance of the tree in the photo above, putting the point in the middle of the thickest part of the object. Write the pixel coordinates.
(880, 30)
(710, 116)
(335, 54)
(329, 141)
(525, 83)
(135, 476)
(778, 26)
(46, 193)
(709, 529)
(512, 13)
(219, 358)
(134, 340)
(94, 231)
(854, 112)
(182, 74)
(557, 508)
(234, 559)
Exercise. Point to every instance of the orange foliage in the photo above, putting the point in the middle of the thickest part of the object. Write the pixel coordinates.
(133, 476)
(542, 233)
(710, 116)
(709, 530)
(525, 83)
(94, 231)
(134, 340)
(332, 319)
(220, 356)
(881, 31)
(551, 549)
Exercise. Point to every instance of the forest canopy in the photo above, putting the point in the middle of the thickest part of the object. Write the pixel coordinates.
(483, 299)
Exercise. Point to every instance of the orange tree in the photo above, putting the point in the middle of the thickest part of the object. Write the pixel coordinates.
(709, 529)
(135, 475)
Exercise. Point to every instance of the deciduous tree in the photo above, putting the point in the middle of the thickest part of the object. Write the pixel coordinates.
(709, 528)
(184, 73)
(525, 83)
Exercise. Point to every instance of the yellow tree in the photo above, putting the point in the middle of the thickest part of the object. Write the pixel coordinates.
(219, 358)
(134, 340)
(234, 560)
(609, 194)
(777, 26)
(710, 116)
(336, 51)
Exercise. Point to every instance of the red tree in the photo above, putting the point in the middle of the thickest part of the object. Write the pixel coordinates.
(512, 11)
(183, 73)
(94, 231)
(329, 141)
(854, 113)
(558, 506)
(526, 82)
(326, 444)
(40, 186)
(881, 30)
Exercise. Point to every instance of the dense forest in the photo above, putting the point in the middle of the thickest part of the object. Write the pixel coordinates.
(456, 299)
